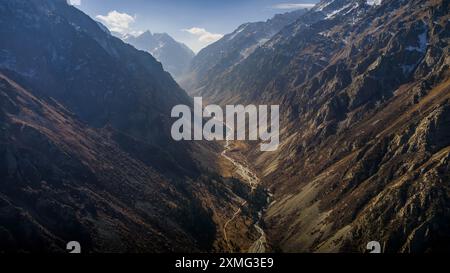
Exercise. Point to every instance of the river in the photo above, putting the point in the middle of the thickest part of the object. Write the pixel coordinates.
(250, 177)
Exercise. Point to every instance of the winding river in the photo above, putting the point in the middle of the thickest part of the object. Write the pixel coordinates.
(259, 246)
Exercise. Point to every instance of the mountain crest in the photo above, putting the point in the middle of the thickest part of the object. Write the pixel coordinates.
(174, 56)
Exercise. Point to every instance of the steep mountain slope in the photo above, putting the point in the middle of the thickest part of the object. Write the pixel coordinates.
(174, 56)
(227, 52)
(63, 54)
(63, 181)
(364, 93)
(85, 146)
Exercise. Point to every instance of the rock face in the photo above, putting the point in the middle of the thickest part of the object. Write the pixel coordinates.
(85, 146)
(233, 48)
(364, 92)
(174, 56)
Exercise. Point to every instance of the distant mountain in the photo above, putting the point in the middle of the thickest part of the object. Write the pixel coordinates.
(85, 146)
(174, 56)
(364, 95)
(227, 52)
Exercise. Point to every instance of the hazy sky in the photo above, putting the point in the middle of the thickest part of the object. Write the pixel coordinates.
(196, 23)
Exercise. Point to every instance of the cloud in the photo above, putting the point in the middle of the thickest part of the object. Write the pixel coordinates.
(294, 6)
(203, 35)
(74, 2)
(117, 22)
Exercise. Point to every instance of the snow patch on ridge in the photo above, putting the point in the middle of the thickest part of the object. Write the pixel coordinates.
(374, 2)
(237, 32)
(335, 12)
(321, 6)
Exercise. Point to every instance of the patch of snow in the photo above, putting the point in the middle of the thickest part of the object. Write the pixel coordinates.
(350, 10)
(374, 2)
(335, 12)
(239, 30)
(156, 49)
(325, 33)
(320, 7)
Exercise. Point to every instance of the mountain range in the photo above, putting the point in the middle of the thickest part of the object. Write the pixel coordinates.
(363, 89)
(174, 56)
(232, 49)
(86, 152)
